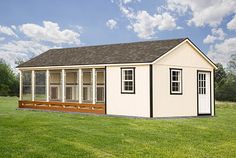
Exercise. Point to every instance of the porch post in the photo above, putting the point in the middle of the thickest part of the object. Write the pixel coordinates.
(63, 85)
(32, 83)
(80, 85)
(47, 85)
(20, 88)
(94, 85)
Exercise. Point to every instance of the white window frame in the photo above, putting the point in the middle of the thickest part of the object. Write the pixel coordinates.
(123, 80)
(180, 81)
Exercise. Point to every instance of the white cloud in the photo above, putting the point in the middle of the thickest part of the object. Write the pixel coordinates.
(221, 53)
(146, 25)
(2, 39)
(20, 49)
(50, 32)
(232, 24)
(7, 30)
(126, 11)
(179, 28)
(209, 39)
(217, 34)
(13, 27)
(204, 12)
(111, 24)
(129, 1)
(36, 40)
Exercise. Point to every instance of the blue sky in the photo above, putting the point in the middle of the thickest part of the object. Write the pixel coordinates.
(28, 28)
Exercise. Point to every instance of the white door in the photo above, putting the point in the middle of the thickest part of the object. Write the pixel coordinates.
(204, 93)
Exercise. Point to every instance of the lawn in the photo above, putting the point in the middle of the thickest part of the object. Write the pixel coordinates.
(54, 134)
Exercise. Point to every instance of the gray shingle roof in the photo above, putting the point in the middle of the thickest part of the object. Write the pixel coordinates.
(137, 52)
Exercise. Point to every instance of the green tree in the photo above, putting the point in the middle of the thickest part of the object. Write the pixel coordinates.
(9, 84)
(232, 64)
(227, 90)
(220, 75)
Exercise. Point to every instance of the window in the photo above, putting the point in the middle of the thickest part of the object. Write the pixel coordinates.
(87, 86)
(100, 85)
(202, 83)
(72, 86)
(26, 88)
(55, 85)
(175, 81)
(69, 93)
(54, 93)
(127, 80)
(40, 85)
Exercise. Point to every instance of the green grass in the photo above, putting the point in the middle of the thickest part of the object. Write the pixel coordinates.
(52, 134)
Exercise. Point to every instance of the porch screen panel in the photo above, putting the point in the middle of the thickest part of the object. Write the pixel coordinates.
(40, 85)
(87, 86)
(100, 85)
(55, 86)
(72, 86)
(26, 85)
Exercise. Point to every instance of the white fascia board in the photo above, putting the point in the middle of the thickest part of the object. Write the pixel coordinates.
(199, 51)
(81, 66)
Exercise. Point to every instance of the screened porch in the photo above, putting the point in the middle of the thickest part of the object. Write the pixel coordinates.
(79, 90)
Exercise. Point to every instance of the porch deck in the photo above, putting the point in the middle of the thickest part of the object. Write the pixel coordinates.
(63, 106)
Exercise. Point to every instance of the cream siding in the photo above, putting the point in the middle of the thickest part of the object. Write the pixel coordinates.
(137, 104)
(189, 60)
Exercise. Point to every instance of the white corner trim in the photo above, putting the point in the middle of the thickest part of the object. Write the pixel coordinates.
(20, 86)
(94, 85)
(32, 84)
(186, 40)
(63, 85)
(47, 85)
(80, 85)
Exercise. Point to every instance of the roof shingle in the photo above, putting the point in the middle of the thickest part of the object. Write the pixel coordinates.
(137, 52)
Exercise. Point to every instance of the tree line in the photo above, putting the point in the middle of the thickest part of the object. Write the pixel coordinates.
(9, 81)
(225, 81)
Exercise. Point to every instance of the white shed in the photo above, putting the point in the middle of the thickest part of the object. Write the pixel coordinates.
(164, 78)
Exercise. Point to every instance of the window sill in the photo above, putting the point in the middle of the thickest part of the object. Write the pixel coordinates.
(173, 93)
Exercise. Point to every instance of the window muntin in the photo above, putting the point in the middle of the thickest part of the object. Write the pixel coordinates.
(26, 85)
(40, 85)
(127, 76)
(176, 81)
(201, 83)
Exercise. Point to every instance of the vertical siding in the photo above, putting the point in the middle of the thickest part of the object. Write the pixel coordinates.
(167, 105)
(137, 104)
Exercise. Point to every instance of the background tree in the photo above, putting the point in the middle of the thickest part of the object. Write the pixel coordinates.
(9, 83)
(227, 90)
(225, 81)
(232, 64)
(19, 61)
(220, 75)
